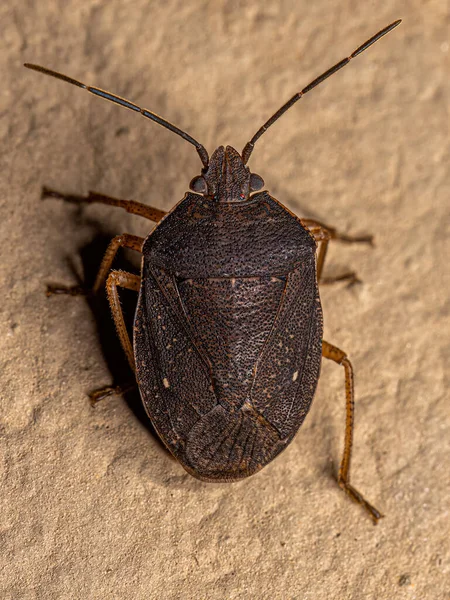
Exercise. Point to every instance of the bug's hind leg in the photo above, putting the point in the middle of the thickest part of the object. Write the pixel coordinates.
(338, 356)
(132, 282)
(109, 390)
(135, 208)
(126, 240)
(323, 234)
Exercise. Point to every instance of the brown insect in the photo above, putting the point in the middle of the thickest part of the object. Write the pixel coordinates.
(228, 327)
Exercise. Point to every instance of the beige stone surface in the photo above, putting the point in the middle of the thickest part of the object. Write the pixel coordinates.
(91, 506)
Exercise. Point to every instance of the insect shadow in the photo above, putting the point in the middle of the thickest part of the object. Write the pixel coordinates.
(91, 255)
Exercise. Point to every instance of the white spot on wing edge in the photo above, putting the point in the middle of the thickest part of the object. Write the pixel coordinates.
(166, 382)
(294, 376)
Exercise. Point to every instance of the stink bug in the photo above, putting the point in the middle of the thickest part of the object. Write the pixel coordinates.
(227, 341)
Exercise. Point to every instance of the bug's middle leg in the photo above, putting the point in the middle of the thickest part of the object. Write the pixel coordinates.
(128, 281)
(338, 356)
(116, 278)
(323, 234)
(126, 240)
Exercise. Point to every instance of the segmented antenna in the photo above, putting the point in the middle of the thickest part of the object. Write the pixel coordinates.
(250, 145)
(127, 104)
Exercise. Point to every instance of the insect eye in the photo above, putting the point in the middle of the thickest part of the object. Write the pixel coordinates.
(198, 184)
(242, 196)
(256, 182)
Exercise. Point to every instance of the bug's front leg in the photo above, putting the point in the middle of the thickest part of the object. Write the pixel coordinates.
(131, 206)
(323, 234)
(338, 356)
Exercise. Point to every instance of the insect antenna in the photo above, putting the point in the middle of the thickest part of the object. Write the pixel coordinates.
(127, 104)
(250, 145)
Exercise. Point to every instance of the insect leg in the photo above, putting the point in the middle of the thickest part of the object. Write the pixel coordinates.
(130, 282)
(109, 390)
(323, 234)
(338, 356)
(335, 235)
(126, 240)
(135, 208)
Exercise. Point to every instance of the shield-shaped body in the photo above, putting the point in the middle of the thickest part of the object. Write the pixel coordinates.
(227, 333)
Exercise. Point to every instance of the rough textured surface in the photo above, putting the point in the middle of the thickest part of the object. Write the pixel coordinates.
(228, 312)
(92, 507)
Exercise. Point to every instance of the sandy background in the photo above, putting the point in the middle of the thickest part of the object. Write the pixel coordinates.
(92, 506)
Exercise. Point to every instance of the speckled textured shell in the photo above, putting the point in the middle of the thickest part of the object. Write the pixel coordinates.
(227, 335)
